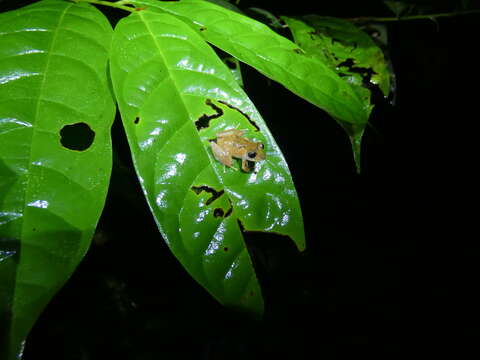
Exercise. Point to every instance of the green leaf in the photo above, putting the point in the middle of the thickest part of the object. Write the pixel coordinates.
(348, 51)
(273, 55)
(53, 90)
(175, 95)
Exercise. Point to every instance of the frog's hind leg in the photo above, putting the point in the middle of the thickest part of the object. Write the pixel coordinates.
(222, 155)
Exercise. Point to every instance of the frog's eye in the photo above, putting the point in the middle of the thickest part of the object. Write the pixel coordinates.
(261, 146)
(251, 154)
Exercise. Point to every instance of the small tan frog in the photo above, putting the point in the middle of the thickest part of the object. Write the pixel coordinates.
(231, 144)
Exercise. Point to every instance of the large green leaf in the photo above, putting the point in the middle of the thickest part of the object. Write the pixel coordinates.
(175, 95)
(273, 55)
(56, 109)
(348, 51)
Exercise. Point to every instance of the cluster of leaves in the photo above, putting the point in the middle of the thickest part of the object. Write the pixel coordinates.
(62, 70)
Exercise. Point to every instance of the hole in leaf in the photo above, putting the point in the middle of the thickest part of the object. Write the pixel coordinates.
(225, 248)
(137, 120)
(215, 194)
(218, 212)
(77, 136)
(365, 73)
(204, 120)
(241, 112)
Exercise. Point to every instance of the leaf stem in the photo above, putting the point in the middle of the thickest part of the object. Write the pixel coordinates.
(411, 17)
(116, 5)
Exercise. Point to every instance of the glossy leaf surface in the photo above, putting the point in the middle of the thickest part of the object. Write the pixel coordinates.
(175, 95)
(273, 55)
(53, 92)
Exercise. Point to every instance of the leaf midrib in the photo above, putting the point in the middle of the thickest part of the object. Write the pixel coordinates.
(177, 89)
(219, 178)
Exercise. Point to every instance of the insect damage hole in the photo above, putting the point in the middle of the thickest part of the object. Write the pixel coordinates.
(215, 194)
(218, 212)
(365, 73)
(77, 136)
(204, 120)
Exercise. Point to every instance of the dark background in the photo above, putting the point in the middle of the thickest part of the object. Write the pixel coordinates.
(131, 299)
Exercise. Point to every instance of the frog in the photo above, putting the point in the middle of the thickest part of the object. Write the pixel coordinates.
(231, 144)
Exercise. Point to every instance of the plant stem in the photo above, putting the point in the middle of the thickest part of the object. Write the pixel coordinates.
(412, 17)
(116, 5)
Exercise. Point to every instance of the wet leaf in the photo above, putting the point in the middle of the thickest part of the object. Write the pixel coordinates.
(53, 79)
(175, 95)
(275, 56)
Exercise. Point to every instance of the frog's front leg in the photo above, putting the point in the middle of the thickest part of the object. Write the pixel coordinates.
(221, 155)
(245, 166)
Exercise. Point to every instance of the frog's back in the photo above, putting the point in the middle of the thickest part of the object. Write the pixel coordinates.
(236, 146)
